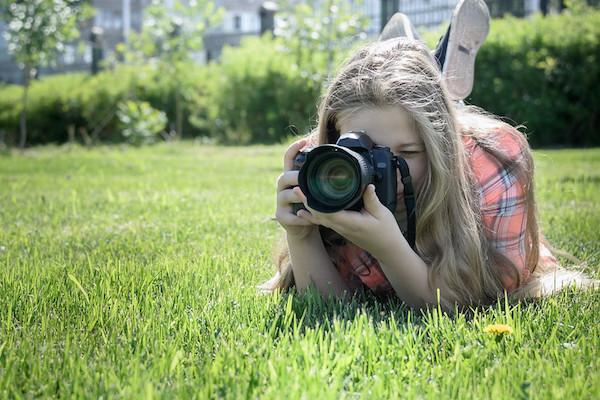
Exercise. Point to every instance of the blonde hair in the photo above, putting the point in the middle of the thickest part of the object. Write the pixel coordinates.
(450, 240)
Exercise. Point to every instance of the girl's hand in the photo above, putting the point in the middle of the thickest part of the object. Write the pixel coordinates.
(287, 193)
(373, 229)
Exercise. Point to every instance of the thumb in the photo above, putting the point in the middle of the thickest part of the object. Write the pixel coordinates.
(371, 201)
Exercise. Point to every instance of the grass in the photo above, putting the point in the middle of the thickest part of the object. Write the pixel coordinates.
(131, 273)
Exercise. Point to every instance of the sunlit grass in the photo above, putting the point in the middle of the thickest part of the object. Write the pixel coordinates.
(132, 272)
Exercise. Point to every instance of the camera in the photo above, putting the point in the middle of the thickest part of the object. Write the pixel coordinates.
(334, 176)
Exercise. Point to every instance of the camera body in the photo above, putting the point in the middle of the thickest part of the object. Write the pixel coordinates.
(334, 176)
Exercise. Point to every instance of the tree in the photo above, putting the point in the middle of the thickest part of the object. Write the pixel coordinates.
(37, 31)
(169, 38)
(316, 32)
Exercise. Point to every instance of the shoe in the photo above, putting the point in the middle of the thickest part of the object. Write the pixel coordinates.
(398, 26)
(469, 27)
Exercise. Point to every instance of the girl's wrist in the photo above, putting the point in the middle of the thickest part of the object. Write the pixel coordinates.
(301, 236)
(394, 243)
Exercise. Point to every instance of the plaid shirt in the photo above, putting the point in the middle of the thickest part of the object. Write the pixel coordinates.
(502, 201)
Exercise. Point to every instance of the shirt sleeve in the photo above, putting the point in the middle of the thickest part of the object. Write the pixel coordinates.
(359, 269)
(504, 217)
(504, 212)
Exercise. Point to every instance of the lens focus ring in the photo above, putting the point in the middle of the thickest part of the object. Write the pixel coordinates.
(334, 178)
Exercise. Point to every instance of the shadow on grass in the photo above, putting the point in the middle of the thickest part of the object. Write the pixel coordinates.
(299, 312)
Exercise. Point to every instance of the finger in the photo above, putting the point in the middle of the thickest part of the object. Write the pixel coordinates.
(308, 213)
(301, 196)
(307, 216)
(290, 153)
(317, 216)
(304, 201)
(344, 221)
(371, 201)
(289, 219)
(287, 197)
(320, 218)
(328, 220)
(287, 179)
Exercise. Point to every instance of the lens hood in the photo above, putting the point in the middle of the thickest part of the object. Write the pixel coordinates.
(333, 178)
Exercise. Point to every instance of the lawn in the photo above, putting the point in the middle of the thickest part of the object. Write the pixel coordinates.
(131, 273)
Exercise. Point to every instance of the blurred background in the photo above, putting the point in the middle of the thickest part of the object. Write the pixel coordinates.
(248, 71)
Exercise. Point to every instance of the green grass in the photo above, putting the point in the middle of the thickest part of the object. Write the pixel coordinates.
(131, 273)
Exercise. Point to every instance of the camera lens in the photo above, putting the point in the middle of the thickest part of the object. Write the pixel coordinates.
(335, 180)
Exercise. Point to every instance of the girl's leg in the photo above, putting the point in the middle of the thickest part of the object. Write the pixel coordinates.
(458, 48)
(398, 26)
(440, 49)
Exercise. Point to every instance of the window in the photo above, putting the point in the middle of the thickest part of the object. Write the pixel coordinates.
(237, 22)
(69, 55)
(87, 55)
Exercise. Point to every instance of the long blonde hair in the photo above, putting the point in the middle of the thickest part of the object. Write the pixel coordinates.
(450, 239)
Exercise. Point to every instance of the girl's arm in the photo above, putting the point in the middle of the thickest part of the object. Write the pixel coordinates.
(375, 230)
(408, 274)
(310, 261)
(311, 265)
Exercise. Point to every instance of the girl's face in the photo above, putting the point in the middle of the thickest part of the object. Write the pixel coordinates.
(392, 127)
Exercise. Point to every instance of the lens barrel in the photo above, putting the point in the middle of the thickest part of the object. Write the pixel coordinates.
(334, 178)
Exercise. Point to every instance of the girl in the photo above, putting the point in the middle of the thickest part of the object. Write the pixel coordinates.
(477, 231)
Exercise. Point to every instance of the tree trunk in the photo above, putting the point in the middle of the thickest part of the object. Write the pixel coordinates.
(71, 133)
(178, 115)
(87, 140)
(23, 117)
(544, 7)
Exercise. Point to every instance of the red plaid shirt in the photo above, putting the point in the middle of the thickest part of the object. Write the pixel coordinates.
(503, 213)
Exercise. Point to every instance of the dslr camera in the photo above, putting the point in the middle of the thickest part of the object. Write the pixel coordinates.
(334, 176)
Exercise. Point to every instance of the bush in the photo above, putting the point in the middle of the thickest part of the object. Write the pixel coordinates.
(255, 94)
(52, 106)
(140, 122)
(87, 105)
(544, 73)
(10, 107)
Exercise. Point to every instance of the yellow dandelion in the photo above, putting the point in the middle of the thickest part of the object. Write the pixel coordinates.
(498, 329)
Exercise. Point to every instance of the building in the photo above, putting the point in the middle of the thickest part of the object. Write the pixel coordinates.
(8, 69)
(432, 13)
(241, 18)
(115, 19)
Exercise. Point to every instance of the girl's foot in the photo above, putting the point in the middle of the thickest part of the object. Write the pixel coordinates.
(468, 29)
(398, 26)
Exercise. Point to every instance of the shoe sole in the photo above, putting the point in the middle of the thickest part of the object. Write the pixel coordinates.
(398, 26)
(470, 27)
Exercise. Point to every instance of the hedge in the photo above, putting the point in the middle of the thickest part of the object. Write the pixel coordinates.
(257, 94)
(88, 104)
(542, 72)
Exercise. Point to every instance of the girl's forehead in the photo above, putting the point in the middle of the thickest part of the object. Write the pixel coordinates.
(390, 126)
